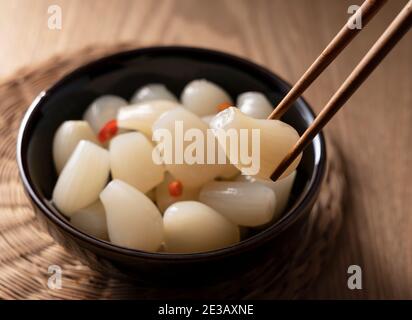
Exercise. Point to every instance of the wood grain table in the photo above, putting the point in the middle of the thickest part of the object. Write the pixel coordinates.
(374, 130)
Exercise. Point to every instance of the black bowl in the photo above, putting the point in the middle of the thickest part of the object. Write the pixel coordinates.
(121, 74)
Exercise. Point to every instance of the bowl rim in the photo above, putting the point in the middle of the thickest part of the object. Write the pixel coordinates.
(257, 240)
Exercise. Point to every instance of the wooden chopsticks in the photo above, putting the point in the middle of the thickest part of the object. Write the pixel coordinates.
(367, 11)
(386, 42)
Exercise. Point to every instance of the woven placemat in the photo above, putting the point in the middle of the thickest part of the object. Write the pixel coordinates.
(26, 252)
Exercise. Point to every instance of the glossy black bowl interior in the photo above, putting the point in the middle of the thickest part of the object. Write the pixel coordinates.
(122, 74)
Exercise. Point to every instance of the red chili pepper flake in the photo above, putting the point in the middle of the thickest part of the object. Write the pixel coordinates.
(108, 131)
(223, 106)
(175, 188)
